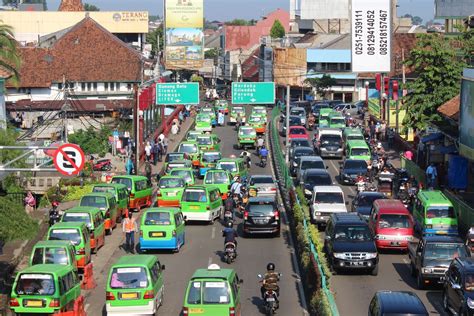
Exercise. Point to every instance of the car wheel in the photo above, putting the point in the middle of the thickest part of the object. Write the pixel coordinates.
(375, 271)
(445, 301)
(420, 282)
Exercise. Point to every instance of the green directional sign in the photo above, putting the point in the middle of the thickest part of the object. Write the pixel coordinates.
(253, 92)
(177, 93)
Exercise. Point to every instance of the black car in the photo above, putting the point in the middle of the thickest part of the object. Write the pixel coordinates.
(312, 178)
(350, 169)
(299, 142)
(458, 289)
(349, 244)
(362, 203)
(295, 154)
(396, 303)
(317, 107)
(261, 216)
(295, 120)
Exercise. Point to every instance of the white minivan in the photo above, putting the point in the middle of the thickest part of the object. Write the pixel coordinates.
(326, 200)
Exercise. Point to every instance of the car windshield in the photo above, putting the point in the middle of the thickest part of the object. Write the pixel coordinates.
(440, 212)
(259, 111)
(229, 166)
(312, 164)
(158, 218)
(94, 201)
(211, 157)
(394, 221)
(191, 136)
(297, 112)
(129, 278)
(174, 157)
(187, 148)
(71, 235)
(52, 255)
(77, 218)
(194, 196)
(304, 152)
(185, 174)
(125, 181)
(360, 152)
(295, 121)
(261, 180)
(353, 233)
(297, 131)
(312, 180)
(238, 110)
(35, 284)
(355, 164)
(330, 140)
(368, 200)
(355, 137)
(104, 189)
(261, 209)
(329, 197)
(215, 293)
(300, 143)
(204, 140)
(171, 183)
(204, 118)
(338, 121)
(247, 131)
(216, 178)
(443, 251)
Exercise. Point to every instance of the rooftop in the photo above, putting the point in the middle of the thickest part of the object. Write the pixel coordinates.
(71, 5)
(450, 109)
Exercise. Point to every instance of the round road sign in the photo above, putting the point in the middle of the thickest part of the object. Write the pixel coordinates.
(69, 159)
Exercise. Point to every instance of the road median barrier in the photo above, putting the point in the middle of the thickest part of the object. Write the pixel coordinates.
(88, 282)
(309, 248)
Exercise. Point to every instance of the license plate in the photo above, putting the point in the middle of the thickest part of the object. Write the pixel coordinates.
(193, 207)
(357, 263)
(129, 296)
(196, 310)
(34, 303)
(441, 232)
(261, 221)
(159, 234)
(171, 193)
(270, 299)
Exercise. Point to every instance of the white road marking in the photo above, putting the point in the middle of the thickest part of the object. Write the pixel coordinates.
(406, 261)
(87, 307)
(213, 234)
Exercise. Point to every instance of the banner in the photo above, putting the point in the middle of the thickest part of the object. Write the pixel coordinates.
(184, 22)
(371, 35)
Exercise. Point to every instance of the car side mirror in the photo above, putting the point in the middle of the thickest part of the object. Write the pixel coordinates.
(327, 167)
(185, 218)
(260, 276)
(456, 286)
(162, 267)
(327, 237)
(241, 281)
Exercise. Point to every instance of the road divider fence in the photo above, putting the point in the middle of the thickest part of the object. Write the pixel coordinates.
(309, 249)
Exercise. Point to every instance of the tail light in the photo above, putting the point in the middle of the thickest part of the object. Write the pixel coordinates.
(109, 296)
(54, 303)
(81, 251)
(158, 192)
(14, 302)
(273, 189)
(149, 295)
(246, 215)
(141, 233)
(277, 215)
(185, 311)
(174, 233)
(231, 311)
(92, 235)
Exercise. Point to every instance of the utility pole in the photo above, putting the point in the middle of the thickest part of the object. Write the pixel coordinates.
(64, 107)
(136, 119)
(287, 144)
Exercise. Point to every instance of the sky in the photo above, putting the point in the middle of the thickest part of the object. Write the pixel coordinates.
(225, 10)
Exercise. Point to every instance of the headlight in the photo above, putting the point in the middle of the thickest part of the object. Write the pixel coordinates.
(339, 255)
(371, 255)
(409, 238)
(380, 237)
(470, 303)
(307, 192)
(427, 270)
(295, 164)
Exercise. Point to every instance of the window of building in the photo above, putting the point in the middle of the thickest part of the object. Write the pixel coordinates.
(94, 86)
(106, 86)
(89, 86)
(129, 86)
(112, 86)
(60, 86)
(83, 86)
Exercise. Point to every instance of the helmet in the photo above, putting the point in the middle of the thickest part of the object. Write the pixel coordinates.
(379, 145)
(55, 204)
(230, 224)
(271, 266)
(263, 146)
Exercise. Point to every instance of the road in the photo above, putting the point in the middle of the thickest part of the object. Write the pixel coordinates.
(203, 246)
(353, 292)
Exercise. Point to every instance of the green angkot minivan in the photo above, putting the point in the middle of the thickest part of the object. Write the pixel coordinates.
(120, 192)
(220, 179)
(135, 286)
(162, 228)
(53, 252)
(201, 203)
(170, 190)
(357, 149)
(213, 292)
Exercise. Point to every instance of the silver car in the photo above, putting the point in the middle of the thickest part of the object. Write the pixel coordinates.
(262, 186)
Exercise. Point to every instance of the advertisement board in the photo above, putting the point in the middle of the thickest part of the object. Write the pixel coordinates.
(466, 125)
(184, 22)
(324, 9)
(371, 35)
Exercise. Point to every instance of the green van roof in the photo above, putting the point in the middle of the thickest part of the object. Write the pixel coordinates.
(433, 197)
(103, 194)
(49, 268)
(357, 143)
(67, 225)
(130, 177)
(230, 160)
(224, 274)
(78, 209)
(53, 243)
(111, 185)
(352, 131)
(141, 260)
(174, 210)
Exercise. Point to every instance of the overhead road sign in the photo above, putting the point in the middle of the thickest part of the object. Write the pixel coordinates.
(69, 159)
(177, 93)
(253, 92)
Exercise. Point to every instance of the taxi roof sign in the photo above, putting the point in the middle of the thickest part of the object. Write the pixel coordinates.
(214, 267)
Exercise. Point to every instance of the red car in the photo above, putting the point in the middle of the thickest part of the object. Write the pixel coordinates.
(298, 132)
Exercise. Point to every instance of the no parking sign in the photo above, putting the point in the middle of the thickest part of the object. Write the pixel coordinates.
(69, 159)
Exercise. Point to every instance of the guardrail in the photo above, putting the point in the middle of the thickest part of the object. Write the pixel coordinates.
(321, 300)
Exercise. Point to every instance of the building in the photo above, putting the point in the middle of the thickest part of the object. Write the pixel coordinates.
(86, 68)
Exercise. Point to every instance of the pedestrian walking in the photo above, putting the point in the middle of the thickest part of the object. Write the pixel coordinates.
(372, 130)
(181, 117)
(431, 175)
(370, 169)
(129, 227)
(148, 151)
(165, 145)
(129, 165)
(174, 129)
(30, 203)
(383, 130)
(148, 172)
(156, 152)
(391, 137)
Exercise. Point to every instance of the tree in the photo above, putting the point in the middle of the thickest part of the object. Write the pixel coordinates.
(238, 22)
(151, 38)
(439, 70)
(9, 56)
(90, 7)
(322, 85)
(416, 20)
(92, 141)
(277, 30)
(211, 53)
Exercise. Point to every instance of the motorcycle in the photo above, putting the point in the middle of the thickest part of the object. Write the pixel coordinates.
(230, 252)
(54, 215)
(102, 165)
(263, 162)
(361, 184)
(228, 216)
(270, 302)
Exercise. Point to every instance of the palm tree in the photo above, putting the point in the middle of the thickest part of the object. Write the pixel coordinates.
(9, 56)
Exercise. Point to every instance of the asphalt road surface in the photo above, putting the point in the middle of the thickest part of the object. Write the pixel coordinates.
(353, 291)
(204, 246)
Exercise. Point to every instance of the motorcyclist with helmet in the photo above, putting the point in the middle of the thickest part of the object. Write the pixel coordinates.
(270, 281)
(263, 153)
(260, 143)
(230, 235)
(54, 213)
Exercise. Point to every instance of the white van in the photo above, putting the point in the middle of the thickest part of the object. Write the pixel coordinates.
(326, 200)
(329, 142)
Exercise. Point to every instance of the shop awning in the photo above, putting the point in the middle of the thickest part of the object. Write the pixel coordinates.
(431, 137)
(448, 149)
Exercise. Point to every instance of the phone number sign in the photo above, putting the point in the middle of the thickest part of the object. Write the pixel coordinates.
(371, 36)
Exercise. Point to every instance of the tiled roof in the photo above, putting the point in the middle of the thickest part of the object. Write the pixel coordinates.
(4, 74)
(450, 109)
(71, 5)
(77, 105)
(86, 53)
(251, 67)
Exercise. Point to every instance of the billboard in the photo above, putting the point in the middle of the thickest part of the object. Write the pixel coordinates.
(184, 22)
(371, 35)
(466, 124)
(324, 9)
